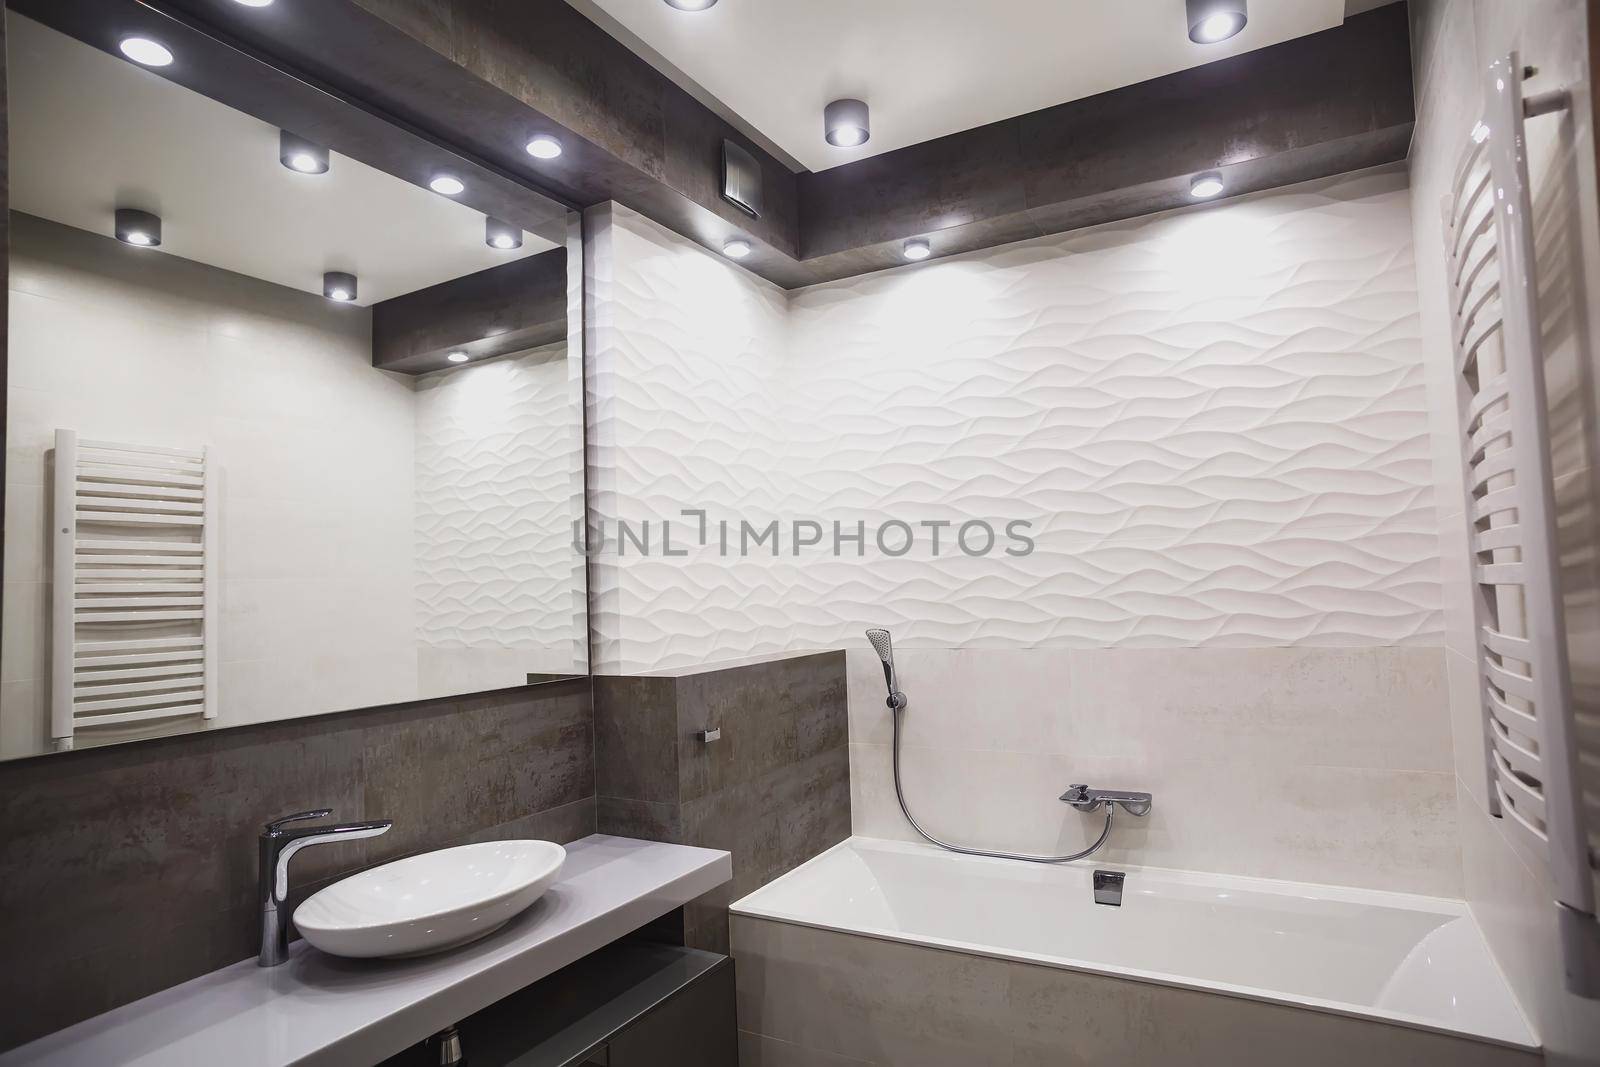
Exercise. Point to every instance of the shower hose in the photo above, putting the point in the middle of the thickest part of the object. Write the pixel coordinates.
(901, 796)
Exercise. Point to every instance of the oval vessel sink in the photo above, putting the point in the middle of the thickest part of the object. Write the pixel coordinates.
(434, 901)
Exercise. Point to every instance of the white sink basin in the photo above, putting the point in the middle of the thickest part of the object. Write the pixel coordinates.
(434, 901)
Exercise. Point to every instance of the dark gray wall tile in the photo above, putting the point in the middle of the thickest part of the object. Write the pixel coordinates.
(635, 727)
(644, 819)
(774, 791)
(126, 870)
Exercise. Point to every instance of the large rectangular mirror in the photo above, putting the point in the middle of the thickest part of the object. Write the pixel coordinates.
(285, 433)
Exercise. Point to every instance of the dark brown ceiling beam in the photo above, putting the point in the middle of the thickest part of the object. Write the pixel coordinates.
(1326, 103)
(509, 308)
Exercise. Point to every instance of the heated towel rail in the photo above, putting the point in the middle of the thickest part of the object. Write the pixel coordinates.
(134, 598)
(1523, 679)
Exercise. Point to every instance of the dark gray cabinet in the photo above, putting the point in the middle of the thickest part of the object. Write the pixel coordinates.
(631, 1004)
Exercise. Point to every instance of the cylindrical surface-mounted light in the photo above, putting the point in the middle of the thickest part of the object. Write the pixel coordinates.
(1211, 21)
(339, 285)
(1205, 186)
(845, 123)
(500, 234)
(301, 155)
(136, 227)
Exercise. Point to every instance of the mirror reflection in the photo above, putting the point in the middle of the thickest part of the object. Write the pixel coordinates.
(285, 434)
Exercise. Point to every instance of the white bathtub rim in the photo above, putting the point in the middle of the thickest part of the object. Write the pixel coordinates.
(749, 906)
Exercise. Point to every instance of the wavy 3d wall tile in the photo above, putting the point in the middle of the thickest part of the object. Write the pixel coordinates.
(1212, 420)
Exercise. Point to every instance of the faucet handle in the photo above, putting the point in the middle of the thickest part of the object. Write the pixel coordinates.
(1075, 794)
(299, 816)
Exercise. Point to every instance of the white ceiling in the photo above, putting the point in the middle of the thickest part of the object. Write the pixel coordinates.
(91, 132)
(926, 68)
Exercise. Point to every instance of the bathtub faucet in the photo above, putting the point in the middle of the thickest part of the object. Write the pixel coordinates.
(1085, 799)
(1080, 797)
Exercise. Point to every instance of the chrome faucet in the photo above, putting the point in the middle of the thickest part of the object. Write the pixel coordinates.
(277, 847)
(1085, 799)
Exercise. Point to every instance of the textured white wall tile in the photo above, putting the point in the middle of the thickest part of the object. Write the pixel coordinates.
(1215, 420)
(493, 520)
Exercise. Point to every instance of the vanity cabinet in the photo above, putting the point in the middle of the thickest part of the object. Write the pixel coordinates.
(632, 1004)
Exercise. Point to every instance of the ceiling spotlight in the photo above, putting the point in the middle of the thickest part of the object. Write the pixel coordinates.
(543, 147)
(737, 248)
(255, 3)
(844, 123)
(300, 155)
(502, 235)
(144, 50)
(1211, 21)
(917, 248)
(339, 285)
(1205, 185)
(137, 227)
(446, 185)
(691, 5)
(457, 356)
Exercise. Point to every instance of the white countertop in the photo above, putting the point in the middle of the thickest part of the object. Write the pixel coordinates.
(319, 1009)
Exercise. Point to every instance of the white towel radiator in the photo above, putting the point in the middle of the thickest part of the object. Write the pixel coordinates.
(134, 598)
(1524, 683)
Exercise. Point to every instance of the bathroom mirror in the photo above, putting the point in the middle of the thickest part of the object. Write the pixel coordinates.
(294, 412)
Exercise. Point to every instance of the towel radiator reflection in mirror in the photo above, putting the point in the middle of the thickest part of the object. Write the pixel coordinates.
(1519, 627)
(134, 601)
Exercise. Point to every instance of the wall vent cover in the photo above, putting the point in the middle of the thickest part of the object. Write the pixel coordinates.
(741, 179)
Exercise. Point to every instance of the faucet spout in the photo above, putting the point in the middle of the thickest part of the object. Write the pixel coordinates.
(277, 845)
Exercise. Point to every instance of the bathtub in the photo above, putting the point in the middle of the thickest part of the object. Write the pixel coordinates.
(888, 952)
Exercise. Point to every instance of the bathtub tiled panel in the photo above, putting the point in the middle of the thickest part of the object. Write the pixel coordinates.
(1309, 764)
(1215, 420)
(815, 998)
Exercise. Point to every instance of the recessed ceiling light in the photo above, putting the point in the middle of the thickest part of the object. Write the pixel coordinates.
(301, 155)
(845, 123)
(339, 285)
(737, 248)
(691, 5)
(502, 235)
(917, 248)
(1211, 21)
(144, 50)
(543, 147)
(137, 227)
(255, 3)
(457, 356)
(446, 185)
(1205, 185)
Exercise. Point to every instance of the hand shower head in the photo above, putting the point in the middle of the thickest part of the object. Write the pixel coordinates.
(885, 650)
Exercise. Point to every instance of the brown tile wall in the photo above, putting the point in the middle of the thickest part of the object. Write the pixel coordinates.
(129, 869)
(774, 791)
